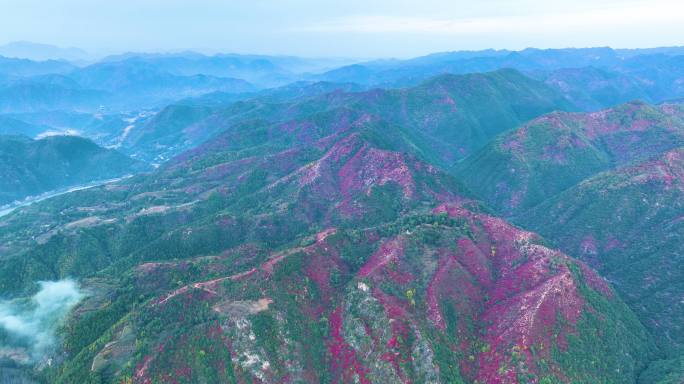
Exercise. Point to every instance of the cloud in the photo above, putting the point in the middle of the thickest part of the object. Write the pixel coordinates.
(30, 324)
(655, 12)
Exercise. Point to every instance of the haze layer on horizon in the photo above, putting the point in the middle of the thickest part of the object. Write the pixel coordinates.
(353, 28)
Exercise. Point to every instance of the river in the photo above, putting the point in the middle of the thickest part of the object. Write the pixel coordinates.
(9, 208)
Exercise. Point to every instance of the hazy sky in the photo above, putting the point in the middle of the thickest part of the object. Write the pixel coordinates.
(352, 28)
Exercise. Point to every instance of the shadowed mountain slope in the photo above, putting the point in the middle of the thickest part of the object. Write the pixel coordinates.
(626, 223)
(30, 167)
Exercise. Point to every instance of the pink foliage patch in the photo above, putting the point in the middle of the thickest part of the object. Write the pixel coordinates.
(612, 243)
(374, 167)
(597, 124)
(140, 376)
(319, 265)
(475, 261)
(595, 281)
(397, 311)
(641, 125)
(516, 198)
(667, 170)
(324, 166)
(532, 288)
(434, 311)
(345, 365)
(588, 245)
(395, 308)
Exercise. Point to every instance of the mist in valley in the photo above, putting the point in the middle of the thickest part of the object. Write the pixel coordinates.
(28, 326)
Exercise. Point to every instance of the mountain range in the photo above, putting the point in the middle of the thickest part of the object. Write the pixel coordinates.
(448, 107)
(329, 242)
(41, 52)
(466, 217)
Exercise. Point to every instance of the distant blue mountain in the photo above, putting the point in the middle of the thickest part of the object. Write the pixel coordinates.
(12, 67)
(41, 52)
(261, 70)
(655, 74)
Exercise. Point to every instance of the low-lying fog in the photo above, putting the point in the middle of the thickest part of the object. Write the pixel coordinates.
(27, 326)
